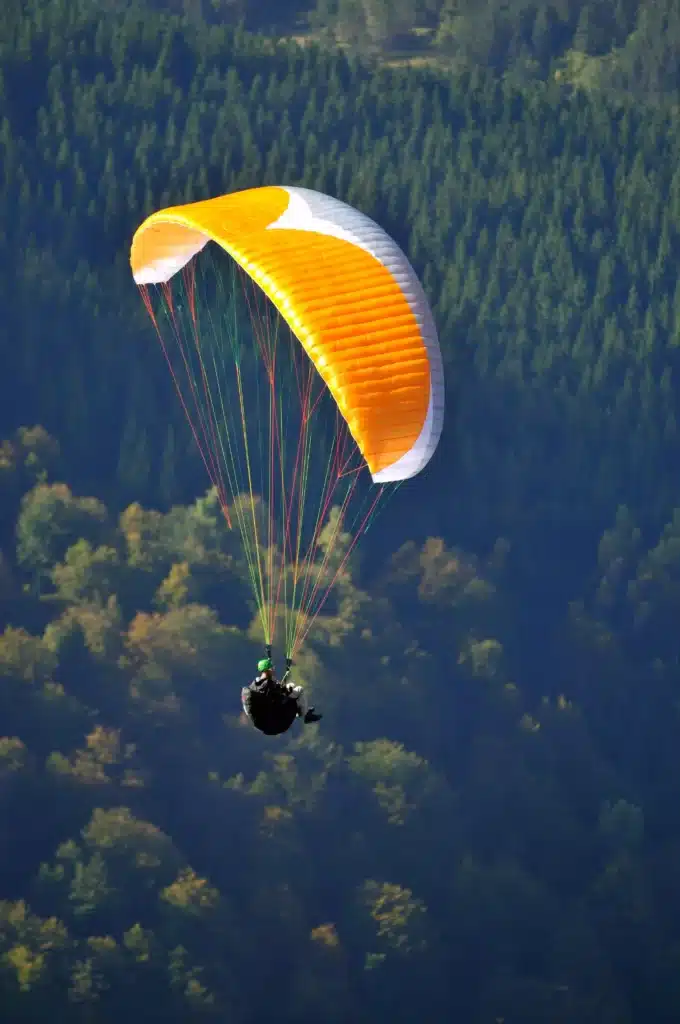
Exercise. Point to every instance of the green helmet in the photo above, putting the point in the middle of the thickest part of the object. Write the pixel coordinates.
(264, 665)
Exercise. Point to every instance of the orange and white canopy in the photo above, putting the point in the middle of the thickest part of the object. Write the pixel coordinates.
(348, 293)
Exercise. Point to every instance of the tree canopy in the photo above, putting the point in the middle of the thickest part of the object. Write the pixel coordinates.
(485, 825)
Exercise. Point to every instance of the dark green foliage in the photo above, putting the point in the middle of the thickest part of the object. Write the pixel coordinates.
(544, 225)
(486, 827)
(454, 839)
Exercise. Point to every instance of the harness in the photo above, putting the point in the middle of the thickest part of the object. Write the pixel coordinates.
(268, 705)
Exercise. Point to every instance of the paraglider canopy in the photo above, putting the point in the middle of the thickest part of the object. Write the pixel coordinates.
(347, 291)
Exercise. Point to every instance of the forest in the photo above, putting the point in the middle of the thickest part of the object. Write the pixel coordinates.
(621, 47)
(485, 825)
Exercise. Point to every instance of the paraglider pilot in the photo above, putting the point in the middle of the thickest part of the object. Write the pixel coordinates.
(272, 705)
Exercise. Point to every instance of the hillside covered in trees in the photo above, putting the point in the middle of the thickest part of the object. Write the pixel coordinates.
(621, 47)
(447, 843)
(485, 824)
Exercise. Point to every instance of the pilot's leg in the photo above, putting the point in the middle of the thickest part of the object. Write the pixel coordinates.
(298, 695)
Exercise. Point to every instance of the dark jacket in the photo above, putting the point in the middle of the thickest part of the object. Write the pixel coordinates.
(268, 706)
